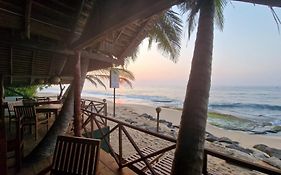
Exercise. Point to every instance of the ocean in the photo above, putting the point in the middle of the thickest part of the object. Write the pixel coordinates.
(256, 109)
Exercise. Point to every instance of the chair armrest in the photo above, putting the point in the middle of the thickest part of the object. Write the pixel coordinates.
(45, 170)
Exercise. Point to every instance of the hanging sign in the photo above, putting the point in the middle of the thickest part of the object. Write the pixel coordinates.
(114, 78)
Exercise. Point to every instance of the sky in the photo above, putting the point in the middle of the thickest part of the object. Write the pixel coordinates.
(246, 53)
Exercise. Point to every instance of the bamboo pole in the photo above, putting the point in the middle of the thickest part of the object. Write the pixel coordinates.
(3, 143)
(77, 96)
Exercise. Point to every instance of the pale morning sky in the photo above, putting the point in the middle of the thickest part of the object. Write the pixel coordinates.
(246, 53)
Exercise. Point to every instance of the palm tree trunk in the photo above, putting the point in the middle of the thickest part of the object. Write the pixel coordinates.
(46, 146)
(190, 143)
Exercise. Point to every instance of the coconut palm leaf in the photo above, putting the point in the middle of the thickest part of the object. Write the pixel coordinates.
(166, 33)
(126, 81)
(99, 76)
(95, 80)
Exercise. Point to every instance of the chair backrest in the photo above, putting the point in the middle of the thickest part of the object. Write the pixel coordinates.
(11, 106)
(75, 155)
(28, 112)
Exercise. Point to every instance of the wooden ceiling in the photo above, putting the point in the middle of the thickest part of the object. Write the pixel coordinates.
(38, 37)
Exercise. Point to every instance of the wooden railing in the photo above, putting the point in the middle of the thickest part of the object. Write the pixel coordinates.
(94, 106)
(99, 120)
(121, 127)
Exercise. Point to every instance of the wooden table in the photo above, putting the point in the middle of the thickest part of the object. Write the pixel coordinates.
(49, 108)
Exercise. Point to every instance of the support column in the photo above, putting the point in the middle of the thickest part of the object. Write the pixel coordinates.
(77, 95)
(3, 143)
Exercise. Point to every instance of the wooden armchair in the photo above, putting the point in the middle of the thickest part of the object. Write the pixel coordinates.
(31, 119)
(12, 115)
(74, 155)
(16, 144)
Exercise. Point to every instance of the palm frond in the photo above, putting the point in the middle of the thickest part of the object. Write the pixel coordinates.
(124, 80)
(192, 7)
(95, 80)
(219, 18)
(276, 18)
(167, 34)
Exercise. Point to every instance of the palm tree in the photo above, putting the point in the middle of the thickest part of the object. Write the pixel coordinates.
(98, 77)
(190, 143)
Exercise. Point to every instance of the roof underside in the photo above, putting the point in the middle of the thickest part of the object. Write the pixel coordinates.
(35, 38)
(38, 37)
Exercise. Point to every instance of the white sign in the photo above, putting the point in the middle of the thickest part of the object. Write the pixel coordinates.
(114, 78)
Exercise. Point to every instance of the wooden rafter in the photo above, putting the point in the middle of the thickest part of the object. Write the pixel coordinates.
(32, 64)
(79, 11)
(13, 20)
(110, 15)
(11, 64)
(27, 18)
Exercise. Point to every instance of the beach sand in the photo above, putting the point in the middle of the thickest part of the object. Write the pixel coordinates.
(131, 113)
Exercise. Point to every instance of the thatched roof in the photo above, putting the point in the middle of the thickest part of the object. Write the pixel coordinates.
(38, 37)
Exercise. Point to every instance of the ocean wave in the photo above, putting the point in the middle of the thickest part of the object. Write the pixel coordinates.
(246, 105)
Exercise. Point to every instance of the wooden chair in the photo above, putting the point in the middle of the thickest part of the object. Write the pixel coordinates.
(16, 144)
(11, 111)
(75, 156)
(30, 118)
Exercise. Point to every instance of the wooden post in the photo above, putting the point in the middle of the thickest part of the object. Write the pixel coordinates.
(3, 143)
(77, 95)
(113, 102)
(158, 110)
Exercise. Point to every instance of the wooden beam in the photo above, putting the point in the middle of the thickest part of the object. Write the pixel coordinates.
(32, 65)
(77, 96)
(79, 11)
(110, 15)
(27, 18)
(11, 65)
(35, 45)
(271, 3)
(9, 19)
(142, 33)
(3, 142)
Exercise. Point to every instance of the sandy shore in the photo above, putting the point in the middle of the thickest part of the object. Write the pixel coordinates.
(134, 114)
(245, 139)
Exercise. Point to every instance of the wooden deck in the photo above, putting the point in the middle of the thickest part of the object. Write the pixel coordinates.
(107, 166)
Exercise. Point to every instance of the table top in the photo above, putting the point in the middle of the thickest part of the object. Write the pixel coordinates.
(49, 106)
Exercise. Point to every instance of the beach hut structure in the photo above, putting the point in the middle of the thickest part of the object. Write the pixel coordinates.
(46, 40)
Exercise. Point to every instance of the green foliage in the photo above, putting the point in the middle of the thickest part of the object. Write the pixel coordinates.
(26, 92)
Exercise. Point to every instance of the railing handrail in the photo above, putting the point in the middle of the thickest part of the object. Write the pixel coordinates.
(99, 102)
(164, 137)
(207, 151)
(241, 162)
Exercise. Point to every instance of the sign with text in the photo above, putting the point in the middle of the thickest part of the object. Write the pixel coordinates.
(114, 78)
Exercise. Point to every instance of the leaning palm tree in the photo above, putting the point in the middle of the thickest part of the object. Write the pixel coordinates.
(99, 77)
(190, 143)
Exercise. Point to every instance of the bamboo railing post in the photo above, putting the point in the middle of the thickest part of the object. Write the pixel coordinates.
(158, 110)
(120, 145)
(105, 110)
(77, 95)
